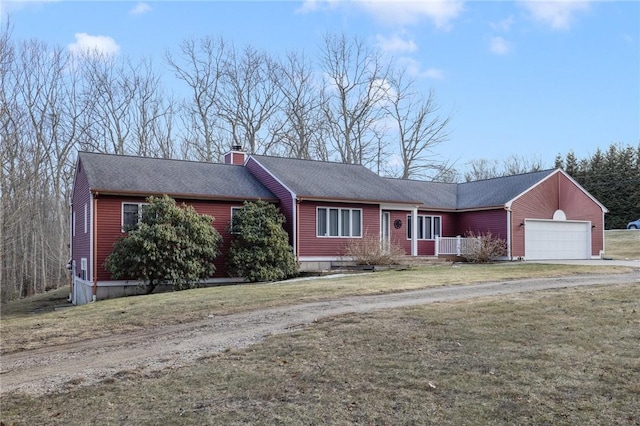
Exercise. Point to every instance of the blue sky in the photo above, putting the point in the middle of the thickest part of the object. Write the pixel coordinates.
(532, 79)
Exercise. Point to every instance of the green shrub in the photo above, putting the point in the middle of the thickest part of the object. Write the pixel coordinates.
(260, 250)
(170, 245)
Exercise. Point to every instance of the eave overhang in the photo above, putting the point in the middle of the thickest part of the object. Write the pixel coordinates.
(356, 200)
(186, 196)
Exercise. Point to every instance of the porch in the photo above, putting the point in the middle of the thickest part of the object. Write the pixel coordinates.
(455, 246)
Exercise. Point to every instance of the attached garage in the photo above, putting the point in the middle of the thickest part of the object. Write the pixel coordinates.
(557, 239)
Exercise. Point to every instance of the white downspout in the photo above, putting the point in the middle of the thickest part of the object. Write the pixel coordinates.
(414, 232)
(509, 235)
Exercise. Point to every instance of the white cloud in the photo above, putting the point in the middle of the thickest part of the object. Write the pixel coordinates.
(414, 69)
(439, 12)
(393, 12)
(500, 46)
(504, 25)
(434, 73)
(9, 6)
(140, 8)
(90, 44)
(558, 14)
(315, 5)
(395, 43)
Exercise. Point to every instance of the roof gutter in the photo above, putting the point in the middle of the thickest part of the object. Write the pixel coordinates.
(476, 209)
(356, 200)
(175, 195)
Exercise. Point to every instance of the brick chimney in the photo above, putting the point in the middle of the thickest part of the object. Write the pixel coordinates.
(236, 156)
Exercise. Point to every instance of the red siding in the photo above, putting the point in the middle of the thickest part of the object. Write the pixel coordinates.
(234, 157)
(283, 194)
(311, 245)
(556, 193)
(110, 219)
(81, 241)
(480, 222)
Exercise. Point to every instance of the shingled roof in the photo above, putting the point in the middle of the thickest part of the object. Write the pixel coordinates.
(496, 191)
(334, 181)
(121, 174)
(436, 195)
(493, 192)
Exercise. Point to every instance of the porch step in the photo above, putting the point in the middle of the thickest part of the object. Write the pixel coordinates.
(421, 260)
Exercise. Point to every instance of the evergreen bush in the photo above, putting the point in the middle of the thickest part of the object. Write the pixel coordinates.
(260, 250)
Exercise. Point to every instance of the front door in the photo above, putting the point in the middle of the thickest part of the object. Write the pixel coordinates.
(386, 231)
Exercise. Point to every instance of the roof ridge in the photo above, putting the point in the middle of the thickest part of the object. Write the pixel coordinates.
(140, 157)
(310, 160)
(418, 180)
(508, 176)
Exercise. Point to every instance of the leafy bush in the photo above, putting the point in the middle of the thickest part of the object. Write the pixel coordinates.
(260, 250)
(369, 250)
(170, 245)
(485, 249)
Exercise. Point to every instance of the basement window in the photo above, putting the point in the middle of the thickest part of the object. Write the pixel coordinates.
(83, 268)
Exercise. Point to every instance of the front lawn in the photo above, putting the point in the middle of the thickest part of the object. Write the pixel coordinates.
(564, 357)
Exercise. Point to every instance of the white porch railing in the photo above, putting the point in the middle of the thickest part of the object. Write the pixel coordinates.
(455, 245)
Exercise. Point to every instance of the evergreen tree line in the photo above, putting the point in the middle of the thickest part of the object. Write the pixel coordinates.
(612, 177)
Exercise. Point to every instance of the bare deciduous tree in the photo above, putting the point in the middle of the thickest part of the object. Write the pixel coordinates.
(481, 168)
(51, 104)
(301, 129)
(200, 65)
(126, 111)
(486, 169)
(419, 130)
(353, 97)
(37, 135)
(517, 164)
(250, 99)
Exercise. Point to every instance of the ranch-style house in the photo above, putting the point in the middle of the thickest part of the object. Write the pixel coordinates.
(541, 215)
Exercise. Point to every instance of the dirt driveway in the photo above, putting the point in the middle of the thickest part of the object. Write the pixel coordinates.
(53, 369)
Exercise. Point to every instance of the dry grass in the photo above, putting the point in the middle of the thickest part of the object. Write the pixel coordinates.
(555, 357)
(622, 244)
(31, 324)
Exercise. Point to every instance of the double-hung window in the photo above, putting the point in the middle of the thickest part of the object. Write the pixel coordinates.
(132, 215)
(429, 227)
(234, 210)
(334, 222)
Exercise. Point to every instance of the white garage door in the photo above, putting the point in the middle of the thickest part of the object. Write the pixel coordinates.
(552, 239)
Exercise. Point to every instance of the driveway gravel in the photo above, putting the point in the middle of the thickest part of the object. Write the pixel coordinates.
(55, 369)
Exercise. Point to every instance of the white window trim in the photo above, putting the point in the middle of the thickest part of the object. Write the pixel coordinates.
(340, 209)
(83, 268)
(432, 226)
(233, 209)
(73, 223)
(140, 205)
